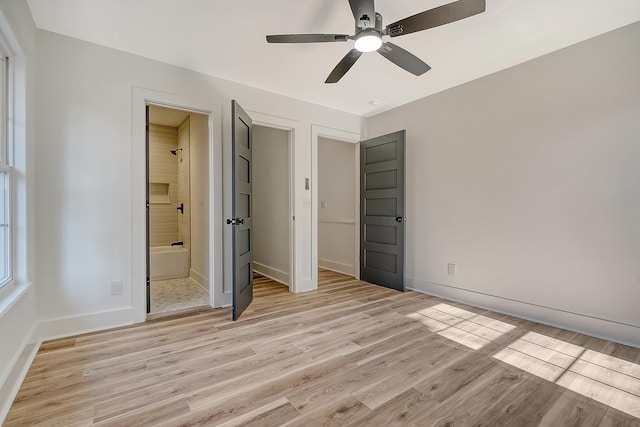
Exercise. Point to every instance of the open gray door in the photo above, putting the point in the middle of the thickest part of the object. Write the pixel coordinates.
(148, 220)
(382, 210)
(241, 210)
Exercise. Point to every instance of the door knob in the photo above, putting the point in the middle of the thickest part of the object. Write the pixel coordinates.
(235, 221)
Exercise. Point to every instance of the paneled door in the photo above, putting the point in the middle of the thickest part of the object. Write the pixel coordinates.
(241, 220)
(148, 221)
(382, 211)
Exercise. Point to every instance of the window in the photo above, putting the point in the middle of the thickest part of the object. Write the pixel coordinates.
(5, 175)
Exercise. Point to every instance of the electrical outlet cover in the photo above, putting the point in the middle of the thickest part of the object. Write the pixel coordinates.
(451, 269)
(116, 287)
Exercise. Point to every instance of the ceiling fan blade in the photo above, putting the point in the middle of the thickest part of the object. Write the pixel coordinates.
(307, 38)
(343, 66)
(404, 59)
(362, 8)
(435, 17)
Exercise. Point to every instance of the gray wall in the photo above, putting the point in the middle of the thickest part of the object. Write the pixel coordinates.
(270, 169)
(529, 181)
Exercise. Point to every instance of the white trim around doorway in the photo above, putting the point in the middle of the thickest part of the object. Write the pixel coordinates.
(293, 127)
(343, 136)
(140, 98)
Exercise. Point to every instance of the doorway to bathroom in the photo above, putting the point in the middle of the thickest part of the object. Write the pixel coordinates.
(178, 210)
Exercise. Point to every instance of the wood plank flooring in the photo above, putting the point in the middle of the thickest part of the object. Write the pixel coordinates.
(349, 353)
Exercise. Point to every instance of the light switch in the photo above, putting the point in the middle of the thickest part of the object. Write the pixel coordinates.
(323, 204)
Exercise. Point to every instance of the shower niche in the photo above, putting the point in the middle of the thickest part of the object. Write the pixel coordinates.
(159, 193)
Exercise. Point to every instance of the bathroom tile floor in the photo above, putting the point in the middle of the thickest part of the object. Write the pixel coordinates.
(177, 294)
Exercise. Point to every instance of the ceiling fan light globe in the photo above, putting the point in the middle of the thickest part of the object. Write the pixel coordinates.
(368, 42)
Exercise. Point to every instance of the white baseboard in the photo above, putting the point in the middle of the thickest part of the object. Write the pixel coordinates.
(582, 323)
(337, 267)
(69, 326)
(11, 384)
(227, 299)
(305, 285)
(202, 281)
(272, 273)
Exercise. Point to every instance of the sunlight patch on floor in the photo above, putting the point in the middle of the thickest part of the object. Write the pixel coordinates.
(606, 379)
(462, 326)
(539, 355)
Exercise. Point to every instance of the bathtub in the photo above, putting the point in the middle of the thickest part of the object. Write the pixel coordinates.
(169, 262)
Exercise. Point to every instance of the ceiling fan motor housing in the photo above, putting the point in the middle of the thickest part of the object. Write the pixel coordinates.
(369, 39)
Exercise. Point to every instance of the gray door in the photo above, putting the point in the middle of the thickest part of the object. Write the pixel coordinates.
(382, 214)
(241, 210)
(148, 241)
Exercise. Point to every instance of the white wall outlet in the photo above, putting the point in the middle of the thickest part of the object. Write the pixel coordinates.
(116, 287)
(451, 268)
(323, 204)
(306, 203)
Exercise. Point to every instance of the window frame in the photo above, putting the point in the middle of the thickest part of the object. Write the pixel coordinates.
(6, 157)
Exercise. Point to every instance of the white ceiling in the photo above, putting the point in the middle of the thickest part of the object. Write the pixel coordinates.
(227, 39)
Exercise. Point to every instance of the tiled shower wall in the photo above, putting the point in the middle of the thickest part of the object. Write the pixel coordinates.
(163, 182)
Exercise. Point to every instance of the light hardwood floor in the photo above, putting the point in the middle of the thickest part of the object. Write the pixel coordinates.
(348, 354)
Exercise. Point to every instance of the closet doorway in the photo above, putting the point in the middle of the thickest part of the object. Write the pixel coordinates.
(338, 206)
(272, 204)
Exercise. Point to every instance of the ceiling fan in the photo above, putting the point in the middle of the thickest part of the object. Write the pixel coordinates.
(369, 33)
